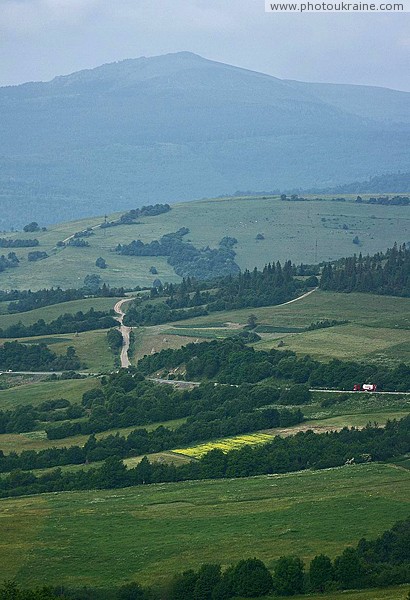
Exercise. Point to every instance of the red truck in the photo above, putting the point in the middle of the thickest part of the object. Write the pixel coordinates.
(365, 387)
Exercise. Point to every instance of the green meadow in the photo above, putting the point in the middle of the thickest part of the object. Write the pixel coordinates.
(148, 533)
(49, 313)
(378, 328)
(31, 391)
(307, 232)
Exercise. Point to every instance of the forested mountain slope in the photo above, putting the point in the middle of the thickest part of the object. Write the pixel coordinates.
(178, 126)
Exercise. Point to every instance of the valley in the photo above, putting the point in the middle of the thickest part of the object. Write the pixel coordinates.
(160, 476)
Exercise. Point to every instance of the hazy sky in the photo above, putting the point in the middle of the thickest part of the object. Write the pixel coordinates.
(43, 38)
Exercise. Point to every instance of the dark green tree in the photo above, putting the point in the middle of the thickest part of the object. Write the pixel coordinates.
(251, 578)
(213, 464)
(130, 591)
(208, 578)
(320, 573)
(183, 586)
(113, 473)
(33, 226)
(349, 570)
(288, 577)
(100, 263)
(92, 282)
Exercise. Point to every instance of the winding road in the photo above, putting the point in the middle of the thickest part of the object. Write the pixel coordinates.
(125, 332)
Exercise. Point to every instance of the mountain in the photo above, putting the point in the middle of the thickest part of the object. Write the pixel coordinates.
(178, 127)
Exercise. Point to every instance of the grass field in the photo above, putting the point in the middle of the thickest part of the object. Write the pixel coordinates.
(262, 437)
(36, 392)
(91, 347)
(291, 231)
(378, 328)
(150, 532)
(49, 313)
(37, 440)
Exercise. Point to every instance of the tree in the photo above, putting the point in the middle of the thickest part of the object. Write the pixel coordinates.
(251, 578)
(100, 263)
(225, 588)
(208, 578)
(183, 586)
(320, 573)
(143, 471)
(349, 569)
(92, 282)
(213, 464)
(288, 577)
(10, 591)
(130, 591)
(295, 395)
(252, 321)
(112, 474)
(33, 226)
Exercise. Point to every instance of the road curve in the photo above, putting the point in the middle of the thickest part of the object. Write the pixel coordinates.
(125, 332)
(296, 299)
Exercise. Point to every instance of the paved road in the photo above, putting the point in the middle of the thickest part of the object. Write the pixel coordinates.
(125, 332)
(356, 392)
(182, 383)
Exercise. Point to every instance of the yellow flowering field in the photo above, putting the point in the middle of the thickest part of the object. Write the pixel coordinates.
(225, 444)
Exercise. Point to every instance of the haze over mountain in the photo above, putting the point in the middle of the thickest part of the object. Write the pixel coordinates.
(178, 127)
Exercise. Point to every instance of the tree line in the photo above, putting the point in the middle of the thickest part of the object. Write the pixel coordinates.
(36, 357)
(185, 258)
(371, 564)
(305, 450)
(66, 323)
(230, 361)
(25, 300)
(211, 411)
(17, 243)
(130, 217)
(27, 418)
(272, 285)
(387, 273)
(385, 200)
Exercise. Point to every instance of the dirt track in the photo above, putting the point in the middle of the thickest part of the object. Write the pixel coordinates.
(125, 332)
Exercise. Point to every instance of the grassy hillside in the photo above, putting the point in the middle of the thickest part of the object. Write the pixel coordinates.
(151, 532)
(301, 231)
(49, 313)
(36, 392)
(378, 328)
(356, 411)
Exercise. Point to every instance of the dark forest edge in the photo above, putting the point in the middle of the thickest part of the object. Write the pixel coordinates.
(25, 300)
(382, 273)
(305, 450)
(37, 357)
(232, 362)
(66, 323)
